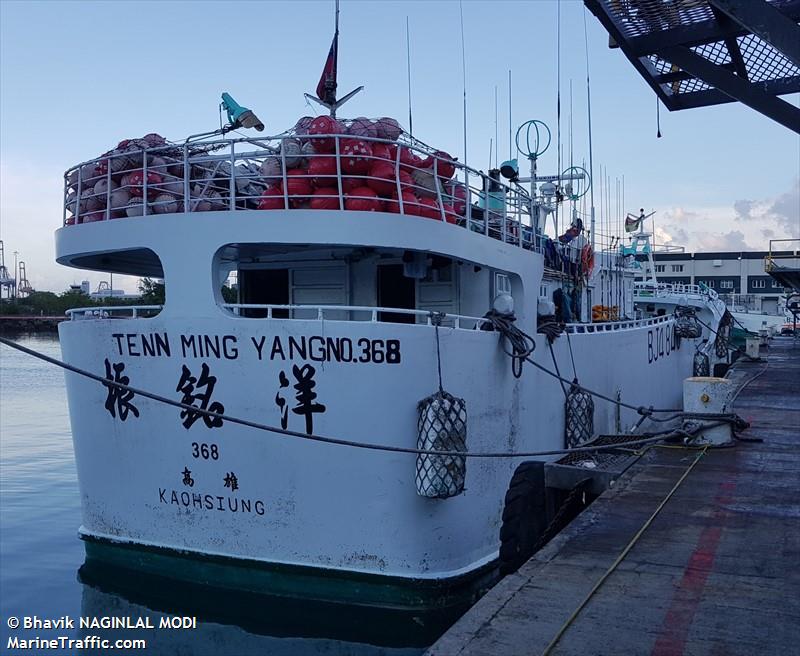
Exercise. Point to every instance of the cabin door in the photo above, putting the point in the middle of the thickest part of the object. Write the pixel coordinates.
(396, 291)
(264, 287)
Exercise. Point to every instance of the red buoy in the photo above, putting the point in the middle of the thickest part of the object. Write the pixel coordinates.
(356, 156)
(381, 151)
(297, 182)
(325, 125)
(382, 178)
(445, 167)
(406, 181)
(408, 160)
(410, 204)
(271, 199)
(325, 198)
(362, 199)
(323, 170)
(429, 208)
(137, 183)
(349, 184)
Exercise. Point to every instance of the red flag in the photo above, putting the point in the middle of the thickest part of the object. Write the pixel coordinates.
(326, 89)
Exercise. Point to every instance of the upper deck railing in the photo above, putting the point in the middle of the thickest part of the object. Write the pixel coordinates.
(664, 289)
(293, 171)
(787, 257)
(294, 311)
(364, 313)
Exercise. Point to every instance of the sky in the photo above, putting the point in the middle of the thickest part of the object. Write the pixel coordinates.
(78, 77)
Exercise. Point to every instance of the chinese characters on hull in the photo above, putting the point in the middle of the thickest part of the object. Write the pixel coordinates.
(197, 391)
(188, 385)
(305, 396)
(118, 400)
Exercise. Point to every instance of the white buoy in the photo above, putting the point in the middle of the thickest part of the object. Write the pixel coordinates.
(706, 395)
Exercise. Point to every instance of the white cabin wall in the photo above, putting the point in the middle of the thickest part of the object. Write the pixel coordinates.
(363, 285)
(475, 298)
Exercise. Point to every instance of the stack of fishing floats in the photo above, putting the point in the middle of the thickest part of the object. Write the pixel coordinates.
(323, 163)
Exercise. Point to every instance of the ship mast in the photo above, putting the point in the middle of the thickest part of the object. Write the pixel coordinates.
(326, 88)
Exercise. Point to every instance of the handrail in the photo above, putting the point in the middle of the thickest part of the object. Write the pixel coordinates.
(104, 312)
(609, 326)
(458, 319)
(286, 172)
(372, 310)
(793, 254)
(647, 289)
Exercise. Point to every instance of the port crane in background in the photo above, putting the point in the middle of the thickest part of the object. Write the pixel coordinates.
(7, 282)
(24, 287)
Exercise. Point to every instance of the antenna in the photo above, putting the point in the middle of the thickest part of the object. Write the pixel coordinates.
(510, 124)
(558, 100)
(570, 123)
(464, 76)
(408, 68)
(496, 138)
(589, 111)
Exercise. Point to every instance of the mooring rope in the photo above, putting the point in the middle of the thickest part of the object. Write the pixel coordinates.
(560, 633)
(646, 438)
(521, 353)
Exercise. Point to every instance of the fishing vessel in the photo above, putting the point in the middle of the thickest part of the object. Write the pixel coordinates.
(755, 320)
(699, 310)
(374, 277)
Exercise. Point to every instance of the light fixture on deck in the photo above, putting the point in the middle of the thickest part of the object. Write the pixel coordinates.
(238, 116)
(510, 170)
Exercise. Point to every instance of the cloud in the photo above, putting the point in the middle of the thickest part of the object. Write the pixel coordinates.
(785, 211)
(756, 221)
(680, 215)
(743, 209)
(728, 241)
(671, 235)
(781, 214)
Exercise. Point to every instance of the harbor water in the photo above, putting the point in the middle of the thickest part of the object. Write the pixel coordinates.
(43, 573)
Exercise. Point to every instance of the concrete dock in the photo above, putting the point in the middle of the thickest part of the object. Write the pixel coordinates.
(716, 572)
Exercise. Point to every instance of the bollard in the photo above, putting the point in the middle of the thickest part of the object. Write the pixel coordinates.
(708, 395)
(751, 347)
(763, 336)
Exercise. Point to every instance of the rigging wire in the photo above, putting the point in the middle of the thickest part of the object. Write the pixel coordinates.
(463, 75)
(408, 73)
(589, 112)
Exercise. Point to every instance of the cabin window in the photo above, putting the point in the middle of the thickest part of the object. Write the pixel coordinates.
(726, 284)
(759, 284)
(677, 268)
(502, 284)
(396, 290)
(660, 268)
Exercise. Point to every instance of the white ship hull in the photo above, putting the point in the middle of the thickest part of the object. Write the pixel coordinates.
(172, 493)
(323, 506)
